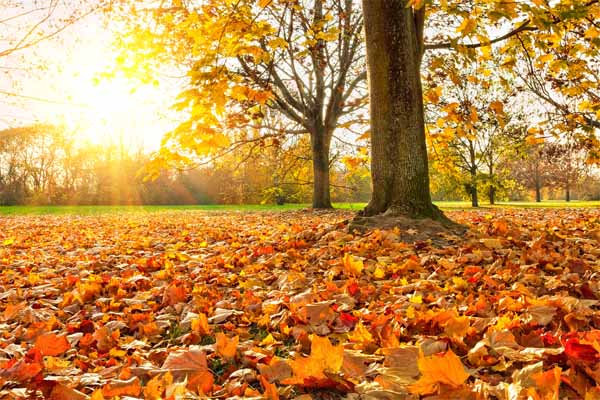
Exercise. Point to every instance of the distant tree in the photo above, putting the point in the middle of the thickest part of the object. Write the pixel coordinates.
(469, 133)
(567, 166)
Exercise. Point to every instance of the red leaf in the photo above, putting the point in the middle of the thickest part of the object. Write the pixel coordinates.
(580, 352)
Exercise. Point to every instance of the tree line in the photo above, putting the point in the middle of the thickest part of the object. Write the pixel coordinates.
(45, 164)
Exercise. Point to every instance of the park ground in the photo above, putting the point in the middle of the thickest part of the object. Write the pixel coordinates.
(186, 302)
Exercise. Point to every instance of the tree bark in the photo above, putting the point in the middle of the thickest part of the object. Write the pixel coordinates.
(474, 196)
(538, 184)
(473, 188)
(492, 188)
(399, 154)
(320, 160)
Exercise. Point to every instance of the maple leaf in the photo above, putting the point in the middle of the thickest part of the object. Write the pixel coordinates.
(175, 293)
(51, 344)
(324, 357)
(352, 266)
(226, 347)
(436, 370)
(156, 387)
(130, 387)
(191, 365)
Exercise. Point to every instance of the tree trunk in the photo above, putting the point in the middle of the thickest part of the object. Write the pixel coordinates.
(568, 191)
(492, 188)
(399, 154)
(473, 187)
(474, 196)
(538, 185)
(320, 160)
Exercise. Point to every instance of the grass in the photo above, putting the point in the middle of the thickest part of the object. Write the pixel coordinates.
(94, 210)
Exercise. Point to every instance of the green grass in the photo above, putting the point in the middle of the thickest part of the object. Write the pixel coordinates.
(95, 210)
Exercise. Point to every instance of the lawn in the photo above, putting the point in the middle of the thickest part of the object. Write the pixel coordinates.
(94, 210)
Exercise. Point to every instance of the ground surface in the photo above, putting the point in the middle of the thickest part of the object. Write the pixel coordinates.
(289, 305)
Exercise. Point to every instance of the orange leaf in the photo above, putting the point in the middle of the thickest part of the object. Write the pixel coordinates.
(271, 392)
(157, 386)
(200, 324)
(175, 294)
(130, 387)
(324, 357)
(546, 384)
(439, 369)
(62, 392)
(50, 344)
(225, 347)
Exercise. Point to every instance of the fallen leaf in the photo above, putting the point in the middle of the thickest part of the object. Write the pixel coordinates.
(436, 370)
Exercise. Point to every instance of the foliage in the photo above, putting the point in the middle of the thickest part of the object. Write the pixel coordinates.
(192, 304)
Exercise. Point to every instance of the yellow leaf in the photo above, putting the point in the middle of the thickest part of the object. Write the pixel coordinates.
(361, 334)
(97, 395)
(264, 3)
(352, 266)
(446, 369)
(468, 26)
(492, 243)
(379, 273)
(433, 95)
(416, 299)
(592, 33)
(269, 340)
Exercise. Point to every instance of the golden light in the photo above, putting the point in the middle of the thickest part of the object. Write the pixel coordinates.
(101, 109)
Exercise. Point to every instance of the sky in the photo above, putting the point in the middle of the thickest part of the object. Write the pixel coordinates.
(61, 81)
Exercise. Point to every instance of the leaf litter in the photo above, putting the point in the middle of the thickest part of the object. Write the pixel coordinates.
(291, 305)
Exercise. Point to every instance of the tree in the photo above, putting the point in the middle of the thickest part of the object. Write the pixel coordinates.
(567, 165)
(301, 59)
(395, 31)
(469, 134)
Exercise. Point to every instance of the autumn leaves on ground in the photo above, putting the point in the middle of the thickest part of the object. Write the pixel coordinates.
(290, 305)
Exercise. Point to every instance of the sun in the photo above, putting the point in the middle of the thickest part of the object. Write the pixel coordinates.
(113, 111)
(100, 107)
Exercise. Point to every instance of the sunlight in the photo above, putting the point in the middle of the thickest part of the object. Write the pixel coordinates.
(101, 109)
(112, 112)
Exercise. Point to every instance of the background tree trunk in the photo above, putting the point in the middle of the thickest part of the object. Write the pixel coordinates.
(538, 185)
(394, 35)
(320, 161)
(492, 194)
(473, 187)
(474, 196)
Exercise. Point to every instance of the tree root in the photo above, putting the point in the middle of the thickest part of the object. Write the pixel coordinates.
(440, 230)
